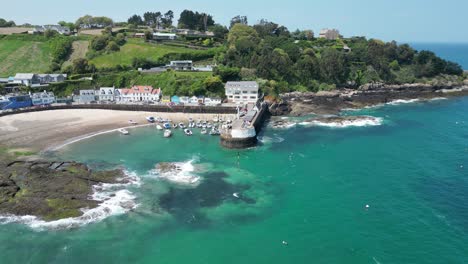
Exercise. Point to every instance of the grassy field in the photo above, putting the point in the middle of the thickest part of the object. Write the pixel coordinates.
(133, 49)
(98, 32)
(80, 48)
(23, 56)
(14, 30)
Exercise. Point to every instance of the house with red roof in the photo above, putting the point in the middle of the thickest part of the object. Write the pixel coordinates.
(139, 94)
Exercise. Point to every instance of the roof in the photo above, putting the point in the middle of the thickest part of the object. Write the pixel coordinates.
(24, 76)
(182, 61)
(141, 90)
(250, 86)
(164, 34)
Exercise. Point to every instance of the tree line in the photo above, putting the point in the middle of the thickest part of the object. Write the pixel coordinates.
(4, 23)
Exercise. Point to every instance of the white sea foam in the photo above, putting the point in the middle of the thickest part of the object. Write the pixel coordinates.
(401, 101)
(363, 122)
(113, 201)
(438, 98)
(183, 173)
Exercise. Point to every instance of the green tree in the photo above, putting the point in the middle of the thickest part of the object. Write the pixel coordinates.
(148, 35)
(239, 20)
(80, 66)
(112, 46)
(135, 20)
(333, 66)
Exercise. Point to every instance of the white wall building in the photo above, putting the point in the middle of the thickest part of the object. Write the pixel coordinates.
(242, 92)
(164, 36)
(107, 94)
(27, 79)
(87, 96)
(44, 98)
(330, 34)
(212, 101)
(139, 94)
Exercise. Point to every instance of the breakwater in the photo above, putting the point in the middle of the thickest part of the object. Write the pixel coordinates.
(140, 108)
(243, 133)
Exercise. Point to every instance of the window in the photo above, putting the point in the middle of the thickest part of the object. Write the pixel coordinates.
(253, 92)
(230, 96)
(237, 97)
(253, 97)
(245, 92)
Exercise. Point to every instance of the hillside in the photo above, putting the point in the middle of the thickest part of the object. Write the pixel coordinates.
(29, 55)
(137, 48)
(79, 50)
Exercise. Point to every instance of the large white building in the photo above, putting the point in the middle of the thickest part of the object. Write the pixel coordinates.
(242, 92)
(139, 94)
(330, 34)
(107, 94)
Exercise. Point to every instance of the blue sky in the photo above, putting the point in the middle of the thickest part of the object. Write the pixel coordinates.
(401, 20)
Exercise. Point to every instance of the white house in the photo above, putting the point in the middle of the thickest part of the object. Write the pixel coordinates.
(184, 100)
(242, 92)
(57, 28)
(213, 101)
(107, 94)
(164, 36)
(186, 65)
(87, 96)
(139, 94)
(193, 100)
(44, 98)
(28, 79)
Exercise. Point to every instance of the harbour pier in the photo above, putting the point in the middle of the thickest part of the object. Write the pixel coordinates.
(242, 133)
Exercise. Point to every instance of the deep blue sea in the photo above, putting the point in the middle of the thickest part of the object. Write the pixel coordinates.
(457, 52)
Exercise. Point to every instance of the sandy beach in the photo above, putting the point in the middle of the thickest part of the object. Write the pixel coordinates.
(39, 131)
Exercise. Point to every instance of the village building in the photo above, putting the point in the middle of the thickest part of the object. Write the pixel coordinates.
(57, 28)
(107, 94)
(242, 92)
(87, 96)
(330, 34)
(184, 100)
(44, 98)
(27, 79)
(139, 94)
(213, 101)
(175, 99)
(186, 65)
(51, 78)
(164, 36)
(166, 99)
(193, 100)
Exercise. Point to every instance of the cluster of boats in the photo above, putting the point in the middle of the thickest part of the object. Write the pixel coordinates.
(206, 127)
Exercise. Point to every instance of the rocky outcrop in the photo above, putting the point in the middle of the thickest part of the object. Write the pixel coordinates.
(298, 104)
(49, 190)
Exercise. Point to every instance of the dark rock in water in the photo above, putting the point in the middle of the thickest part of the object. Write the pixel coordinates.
(212, 192)
(299, 104)
(165, 167)
(49, 190)
(341, 119)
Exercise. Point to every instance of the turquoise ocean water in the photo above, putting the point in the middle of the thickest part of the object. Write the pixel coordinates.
(306, 185)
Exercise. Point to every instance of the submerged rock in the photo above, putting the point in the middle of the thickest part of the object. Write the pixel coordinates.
(177, 172)
(49, 190)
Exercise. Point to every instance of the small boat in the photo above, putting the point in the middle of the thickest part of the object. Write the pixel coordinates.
(175, 126)
(123, 131)
(203, 131)
(167, 133)
(151, 119)
(159, 127)
(215, 132)
(181, 125)
(188, 132)
(216, 119)
(199, 125)
(208, 125)
(167, 126)
(131, 122)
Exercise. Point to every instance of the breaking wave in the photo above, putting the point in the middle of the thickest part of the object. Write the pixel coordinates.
(180, 173)
(401, 101)
(360, 122)
(113, 198)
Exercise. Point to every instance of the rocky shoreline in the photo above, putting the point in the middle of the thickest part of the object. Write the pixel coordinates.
(49, 190)
(332, 102)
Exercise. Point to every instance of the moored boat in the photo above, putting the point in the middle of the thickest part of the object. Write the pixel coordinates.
(159, 127)
(203, 131)
(188, 132)
(131, 122)
(151, 119)
(181, 125)
(167, 133)
(167, 126)
(123, 131)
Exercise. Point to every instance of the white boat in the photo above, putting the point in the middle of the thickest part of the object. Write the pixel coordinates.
(199, 125)
(216, 119)
(214, 132)
(151, 119)
(159, 127)
(175, 126)
(188, 132)
(203, 131)
(167, 126)
(208, 125)
(131, 122)
(167, 133)
(123, 131)
(181, 125)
